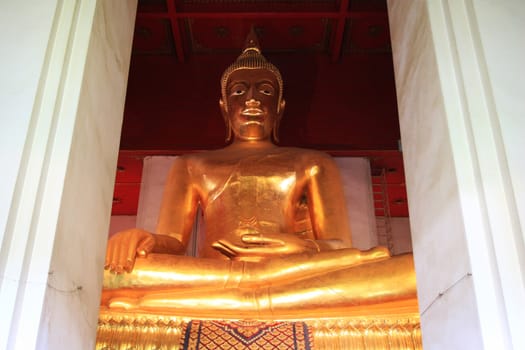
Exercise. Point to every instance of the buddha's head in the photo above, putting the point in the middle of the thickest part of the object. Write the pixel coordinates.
(251, 101)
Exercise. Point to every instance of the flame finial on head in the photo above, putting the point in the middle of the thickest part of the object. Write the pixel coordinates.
(251, 42)
(251, 58)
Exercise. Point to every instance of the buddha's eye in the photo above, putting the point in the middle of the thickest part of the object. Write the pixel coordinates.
(237, 90)
(266, 89)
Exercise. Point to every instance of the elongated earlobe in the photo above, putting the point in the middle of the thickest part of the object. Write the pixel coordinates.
(228, 131)
(275, 131)
(224, 111)
(277, 122)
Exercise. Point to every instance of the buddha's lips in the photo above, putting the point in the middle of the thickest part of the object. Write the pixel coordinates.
(252, 112)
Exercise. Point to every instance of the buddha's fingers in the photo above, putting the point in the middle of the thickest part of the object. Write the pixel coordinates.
(225, 247)
(118, 254)
(261, 240)
(125, 260)
(145, 246)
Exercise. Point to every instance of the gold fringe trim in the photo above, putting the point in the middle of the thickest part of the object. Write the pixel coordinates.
(139, 333)
(154, 332)
(367, 334)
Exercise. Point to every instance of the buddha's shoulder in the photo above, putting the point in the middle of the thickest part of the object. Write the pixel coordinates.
(306, 155)
(305, 160)
(298, 156)
(204, 156)
(205, 159)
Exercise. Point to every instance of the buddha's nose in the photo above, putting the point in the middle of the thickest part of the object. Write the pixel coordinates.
(252, 103)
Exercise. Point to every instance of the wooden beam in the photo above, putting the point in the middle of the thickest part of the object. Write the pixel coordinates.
(263, 15)
(339, 31)
(175, 30)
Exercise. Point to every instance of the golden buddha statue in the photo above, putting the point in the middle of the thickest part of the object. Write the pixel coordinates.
(258, 259)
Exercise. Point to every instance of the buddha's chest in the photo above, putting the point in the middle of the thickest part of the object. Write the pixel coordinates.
(262, 182)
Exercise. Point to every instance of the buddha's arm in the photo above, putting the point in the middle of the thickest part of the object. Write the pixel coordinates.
(327, 205)
(175, 222)
(178, 208)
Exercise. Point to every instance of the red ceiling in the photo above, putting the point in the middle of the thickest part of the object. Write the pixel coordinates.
(334, 57)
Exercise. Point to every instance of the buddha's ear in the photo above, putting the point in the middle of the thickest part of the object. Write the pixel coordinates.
(282, 104)
(224, 112)
(277, 122)
(224, 109)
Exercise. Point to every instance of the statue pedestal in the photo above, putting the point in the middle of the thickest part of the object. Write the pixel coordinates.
(386, 326)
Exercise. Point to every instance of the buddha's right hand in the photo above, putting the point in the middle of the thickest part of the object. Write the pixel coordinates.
(124, 247)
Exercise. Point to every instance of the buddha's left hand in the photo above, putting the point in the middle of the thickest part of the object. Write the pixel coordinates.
(266, 246)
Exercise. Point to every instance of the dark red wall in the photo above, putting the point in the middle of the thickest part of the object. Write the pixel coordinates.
(348, 105)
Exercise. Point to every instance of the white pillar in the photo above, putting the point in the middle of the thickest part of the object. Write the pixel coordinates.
(461, 91)
(63, 73)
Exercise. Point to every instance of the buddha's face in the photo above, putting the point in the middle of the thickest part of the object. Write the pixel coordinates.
(252, 104)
